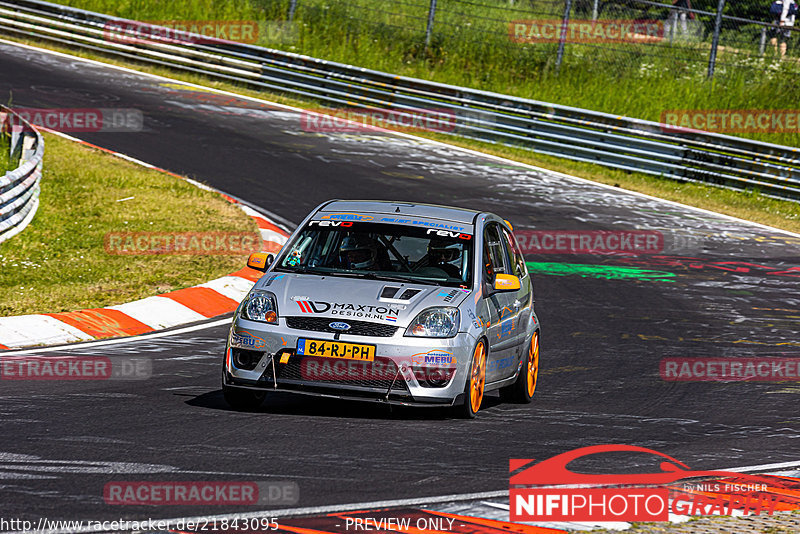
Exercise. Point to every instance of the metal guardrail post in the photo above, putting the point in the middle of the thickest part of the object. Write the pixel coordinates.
(615, 142)
(671, 24)
(19, 187)
(712, 58)
(15, 132)
(27, 148)
(429, 27)
(563, 38)
(6, 131)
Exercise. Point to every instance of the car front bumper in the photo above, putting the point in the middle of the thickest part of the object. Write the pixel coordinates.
(398, 375)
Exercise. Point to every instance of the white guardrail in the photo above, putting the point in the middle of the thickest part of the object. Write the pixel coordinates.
(577, 134)
(19, 188)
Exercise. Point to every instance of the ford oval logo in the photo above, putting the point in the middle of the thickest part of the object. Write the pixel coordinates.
(339, 326)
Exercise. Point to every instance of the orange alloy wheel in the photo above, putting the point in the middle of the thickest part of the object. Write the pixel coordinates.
(478, 377)
(533, 363)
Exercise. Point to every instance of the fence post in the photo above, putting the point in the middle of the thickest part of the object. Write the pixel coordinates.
(763, 43)
(671, 22)
(712, 58)
(563, 38)
(292, 7)
(429, 28)
(5, 130)
(594, 10)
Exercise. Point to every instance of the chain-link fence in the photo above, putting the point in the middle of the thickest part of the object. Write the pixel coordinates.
(705, 38)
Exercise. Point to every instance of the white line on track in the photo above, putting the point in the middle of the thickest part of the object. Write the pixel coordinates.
(406, 135)
(395, 503)
(375, 504)
(764, 467)
(400, 134)
(117, 341)
(294, 512)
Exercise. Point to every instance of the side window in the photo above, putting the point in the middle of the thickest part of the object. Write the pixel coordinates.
(494, 256)
(514, 254)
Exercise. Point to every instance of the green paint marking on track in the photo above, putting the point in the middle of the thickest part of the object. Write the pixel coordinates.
(608, 272)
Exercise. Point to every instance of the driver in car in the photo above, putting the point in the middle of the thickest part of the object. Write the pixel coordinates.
(441, 256)
(363, 252)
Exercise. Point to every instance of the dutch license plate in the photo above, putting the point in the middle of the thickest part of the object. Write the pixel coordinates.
(335, 349)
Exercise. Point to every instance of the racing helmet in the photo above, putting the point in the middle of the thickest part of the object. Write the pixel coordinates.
(442, 252)
(359, 251)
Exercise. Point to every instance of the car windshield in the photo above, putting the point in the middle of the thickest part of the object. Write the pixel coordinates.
(381, 251)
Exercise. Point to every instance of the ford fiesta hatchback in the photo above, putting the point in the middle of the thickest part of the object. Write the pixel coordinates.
(392, 302)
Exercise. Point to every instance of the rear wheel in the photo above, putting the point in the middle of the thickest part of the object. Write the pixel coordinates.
(476, 381)
(522, 390)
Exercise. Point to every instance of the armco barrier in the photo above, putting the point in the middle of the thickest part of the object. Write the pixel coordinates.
(577, 134)
(19, 188)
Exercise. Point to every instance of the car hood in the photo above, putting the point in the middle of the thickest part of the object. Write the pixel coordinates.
(356, 299)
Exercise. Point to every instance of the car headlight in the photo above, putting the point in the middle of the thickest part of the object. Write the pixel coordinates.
(261, 307)
(435, 322)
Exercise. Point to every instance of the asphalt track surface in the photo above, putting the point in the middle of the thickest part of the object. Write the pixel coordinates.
(604, 330)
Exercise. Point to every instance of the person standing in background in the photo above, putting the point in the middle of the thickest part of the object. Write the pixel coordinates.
(783, 13)
(679, 12)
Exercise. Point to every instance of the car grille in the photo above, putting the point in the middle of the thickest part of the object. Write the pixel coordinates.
(357, 328)
(380, 374)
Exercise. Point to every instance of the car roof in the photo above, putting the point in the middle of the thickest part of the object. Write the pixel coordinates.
(410, 209)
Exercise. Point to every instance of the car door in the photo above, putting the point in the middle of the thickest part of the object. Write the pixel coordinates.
(522, 297)
(502, 316)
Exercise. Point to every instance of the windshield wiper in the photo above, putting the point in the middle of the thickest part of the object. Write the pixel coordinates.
(304, 270)
(388, 277)
(369, 275)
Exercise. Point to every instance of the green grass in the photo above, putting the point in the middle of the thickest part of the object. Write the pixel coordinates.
(59, 263)
(5, 157)
(632, 79)
(7, 163)
(749, 206)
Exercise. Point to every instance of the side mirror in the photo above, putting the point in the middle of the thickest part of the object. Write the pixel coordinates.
(506, 282)
(260, 261)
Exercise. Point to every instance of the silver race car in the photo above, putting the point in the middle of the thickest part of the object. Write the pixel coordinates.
(400, 303)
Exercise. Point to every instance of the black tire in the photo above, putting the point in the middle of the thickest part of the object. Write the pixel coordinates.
(243, 400)
(524, 387)
(475, 383)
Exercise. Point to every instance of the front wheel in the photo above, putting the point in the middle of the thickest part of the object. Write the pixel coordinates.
(473, 389)
(522, 390)
(243, 400)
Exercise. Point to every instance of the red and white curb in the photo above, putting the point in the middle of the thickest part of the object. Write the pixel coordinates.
(167, 310)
